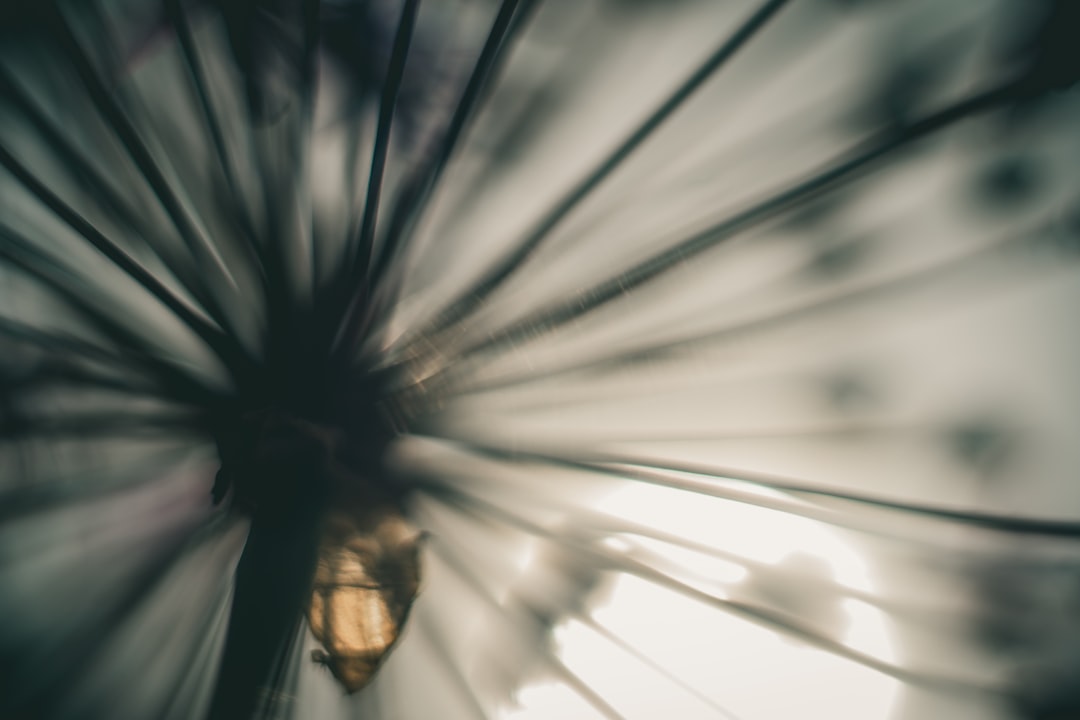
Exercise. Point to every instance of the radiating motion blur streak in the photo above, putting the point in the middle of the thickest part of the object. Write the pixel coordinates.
(533, 359)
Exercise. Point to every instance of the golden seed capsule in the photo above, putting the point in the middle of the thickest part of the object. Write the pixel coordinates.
(366, 578)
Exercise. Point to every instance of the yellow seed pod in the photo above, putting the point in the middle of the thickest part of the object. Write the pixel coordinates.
(366, 579)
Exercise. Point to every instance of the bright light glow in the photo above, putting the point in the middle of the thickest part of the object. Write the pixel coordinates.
(714, 664)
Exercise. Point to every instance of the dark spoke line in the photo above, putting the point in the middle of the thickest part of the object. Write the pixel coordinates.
(287, 228)
(582, 688)
(883, 290)
(786, 626)
(656, 667)
(424, 178)
(495, 276)
(175, 383)
(974, 518)
(762, 617)
(280, 152)
(654, 474)
(605, 525)
(439, 643)
(785, 506)
(100, 188)
(983, 520)
(201, 248)
(354, 132)
(129, 137)
(810, 587)
(838, 431)
(482, 510)
(281, 294)
(830, 176)
(363, 247)
(365, 240)
(614, 525)
(660, 475)
(211, 335)
(178, 18)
